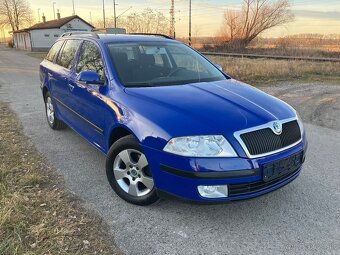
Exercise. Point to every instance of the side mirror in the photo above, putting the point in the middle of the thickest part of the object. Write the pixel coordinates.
(90, 77)
(219, 67)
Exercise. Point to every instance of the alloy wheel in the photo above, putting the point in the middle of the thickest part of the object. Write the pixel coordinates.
(132, 173)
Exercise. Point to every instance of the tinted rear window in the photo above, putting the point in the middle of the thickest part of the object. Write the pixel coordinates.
(54, 50)
(68, 53)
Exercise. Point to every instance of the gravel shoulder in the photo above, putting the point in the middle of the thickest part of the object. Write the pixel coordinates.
(318, 104)
(301, 218)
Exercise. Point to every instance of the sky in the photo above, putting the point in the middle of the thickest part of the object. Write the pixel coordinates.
(313, 16)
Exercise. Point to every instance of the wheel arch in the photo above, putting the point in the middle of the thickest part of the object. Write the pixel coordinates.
(44, 91)
(119, 132)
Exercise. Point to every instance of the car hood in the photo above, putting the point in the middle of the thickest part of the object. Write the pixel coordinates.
(220, 107)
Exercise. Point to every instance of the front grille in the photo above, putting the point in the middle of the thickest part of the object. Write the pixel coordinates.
(265, 140)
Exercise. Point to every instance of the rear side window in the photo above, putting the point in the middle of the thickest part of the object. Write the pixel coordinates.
(90, 59)
(54, 51)
(68, 53)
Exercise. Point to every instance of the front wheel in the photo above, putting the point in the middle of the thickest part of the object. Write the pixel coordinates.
(129, 173)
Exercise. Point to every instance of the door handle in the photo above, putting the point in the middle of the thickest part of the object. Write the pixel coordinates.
(71, 86)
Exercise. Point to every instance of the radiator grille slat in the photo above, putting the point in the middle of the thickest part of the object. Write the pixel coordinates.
(264, 140)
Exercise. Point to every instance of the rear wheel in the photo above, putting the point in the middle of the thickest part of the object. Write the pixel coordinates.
(129, 173)
(52, 120)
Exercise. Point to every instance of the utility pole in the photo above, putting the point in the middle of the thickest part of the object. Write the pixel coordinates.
(54, 9)
(74, 12)
(172, 19)
(114, 13)
(39, 14)
(104, 13)
(189, 22)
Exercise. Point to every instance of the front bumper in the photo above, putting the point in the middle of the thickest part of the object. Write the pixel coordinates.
(180, 176)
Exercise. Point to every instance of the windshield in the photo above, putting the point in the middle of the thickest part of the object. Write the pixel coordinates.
(143, 64)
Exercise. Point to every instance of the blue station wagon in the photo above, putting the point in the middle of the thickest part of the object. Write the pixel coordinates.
(170, 122)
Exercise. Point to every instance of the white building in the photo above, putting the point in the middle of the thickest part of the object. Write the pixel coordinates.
(41, 36)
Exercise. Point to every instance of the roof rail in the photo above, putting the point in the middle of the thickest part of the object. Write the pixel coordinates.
(93, 34)
(151, 34)
(80, 33)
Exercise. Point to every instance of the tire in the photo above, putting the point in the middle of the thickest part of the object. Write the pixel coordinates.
(52, 120)
(129, 174)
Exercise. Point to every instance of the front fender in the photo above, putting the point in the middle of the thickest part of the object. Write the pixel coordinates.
(146, 132)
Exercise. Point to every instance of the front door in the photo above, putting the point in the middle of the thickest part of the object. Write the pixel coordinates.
(89, 100)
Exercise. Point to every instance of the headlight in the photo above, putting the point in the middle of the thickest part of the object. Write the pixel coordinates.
(299, 120)
(200, 146)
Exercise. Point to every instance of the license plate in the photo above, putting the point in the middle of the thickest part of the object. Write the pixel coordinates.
(282, 167)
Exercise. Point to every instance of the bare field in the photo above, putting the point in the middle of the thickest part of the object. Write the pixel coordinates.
(267, 71)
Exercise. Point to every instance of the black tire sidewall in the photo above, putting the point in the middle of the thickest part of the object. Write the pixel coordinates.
(127, 142)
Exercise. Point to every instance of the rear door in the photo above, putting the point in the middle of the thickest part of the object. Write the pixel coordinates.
(61, 87)
(47, 66)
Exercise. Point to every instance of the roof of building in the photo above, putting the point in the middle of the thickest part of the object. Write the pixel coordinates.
(56, 23)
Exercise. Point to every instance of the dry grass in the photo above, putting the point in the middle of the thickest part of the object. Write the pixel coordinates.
(39, 55)
(37, 216)
(267, 71)
(273, 50)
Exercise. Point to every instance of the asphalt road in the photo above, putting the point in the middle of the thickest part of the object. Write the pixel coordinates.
(301, 218)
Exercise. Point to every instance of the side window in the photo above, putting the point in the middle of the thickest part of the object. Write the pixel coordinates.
(90, 59)
(68, 53)
(54, 50)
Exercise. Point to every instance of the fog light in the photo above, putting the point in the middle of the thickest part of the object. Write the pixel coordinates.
(213, 191)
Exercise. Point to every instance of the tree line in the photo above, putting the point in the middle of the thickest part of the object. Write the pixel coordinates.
(15, 14)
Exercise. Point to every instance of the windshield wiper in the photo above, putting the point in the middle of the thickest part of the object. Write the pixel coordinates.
(140, 84)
